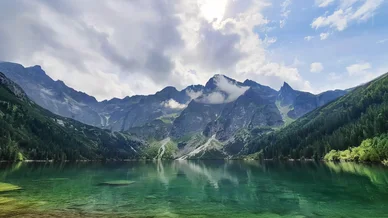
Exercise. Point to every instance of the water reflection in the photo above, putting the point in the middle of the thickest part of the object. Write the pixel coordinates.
(210, 188)
(376, 173)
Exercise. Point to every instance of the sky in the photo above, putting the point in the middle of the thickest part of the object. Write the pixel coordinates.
(125, 47)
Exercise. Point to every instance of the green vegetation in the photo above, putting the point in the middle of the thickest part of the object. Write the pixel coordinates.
(339, 125)
(376, 174)
(5, 187)
(372, 150)
(255, 156)
(168, 119)
(171, 148)
(284, 110)
(154, 148)
(30, 132)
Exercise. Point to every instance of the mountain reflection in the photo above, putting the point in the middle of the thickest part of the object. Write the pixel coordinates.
(222, 188)
(197, 171)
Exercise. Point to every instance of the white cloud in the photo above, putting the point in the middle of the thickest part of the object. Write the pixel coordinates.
(269, 40)
(324, 36)
(382, 41)
(358, 69)
(233, 91)
(213, 98)
(308, 38)
(347, 12)
(337, 20)
(285, 8)
(173, 104)
(316, 67)
(139, 47)
(282, 23)
(284, 12)
(225, 92)
(193, 94)
(323, 3)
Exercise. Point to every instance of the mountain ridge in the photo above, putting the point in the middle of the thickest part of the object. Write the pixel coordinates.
(234, 122)
(206, 104)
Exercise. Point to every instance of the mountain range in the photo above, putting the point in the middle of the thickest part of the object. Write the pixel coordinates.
(222, 105)
(216, 120)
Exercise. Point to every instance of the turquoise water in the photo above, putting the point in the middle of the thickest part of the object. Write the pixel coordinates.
(195, 189)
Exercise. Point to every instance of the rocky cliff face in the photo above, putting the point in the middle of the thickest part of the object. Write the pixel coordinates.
(250, 110)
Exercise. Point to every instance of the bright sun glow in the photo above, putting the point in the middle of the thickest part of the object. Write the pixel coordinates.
(213, 9)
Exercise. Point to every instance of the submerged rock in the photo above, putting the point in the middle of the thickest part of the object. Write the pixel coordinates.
(116, 183)
(5, 187)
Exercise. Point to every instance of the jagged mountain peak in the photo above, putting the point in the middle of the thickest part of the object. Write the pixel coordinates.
(168, 89)
(213, 81)
(168, 92)
(194, 87)
(254, 84)
(36, 67)
(286, 87)
(37, 72)
(249, 82)
(60, 82)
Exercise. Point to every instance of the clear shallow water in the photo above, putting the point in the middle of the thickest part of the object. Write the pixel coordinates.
(196, 189)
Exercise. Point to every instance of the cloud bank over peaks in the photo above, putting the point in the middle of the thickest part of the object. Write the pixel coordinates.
(193, 94)
(226, 91)
(119, 48)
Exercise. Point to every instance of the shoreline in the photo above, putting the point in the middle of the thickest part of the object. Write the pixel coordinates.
(151, 160)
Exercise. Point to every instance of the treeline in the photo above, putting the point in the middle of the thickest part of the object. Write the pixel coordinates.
(370, 150)
(344, 123)
(28, 131)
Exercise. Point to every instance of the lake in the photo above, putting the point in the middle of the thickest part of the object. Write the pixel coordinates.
(195, 189)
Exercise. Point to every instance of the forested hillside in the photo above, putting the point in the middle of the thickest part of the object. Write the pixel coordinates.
(28, 131)
(344, 123)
